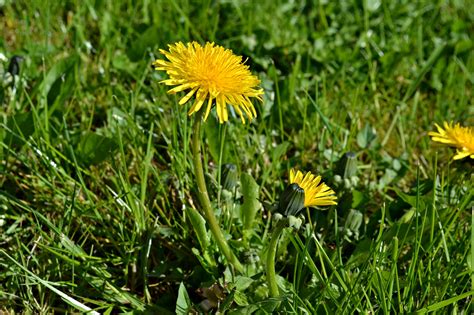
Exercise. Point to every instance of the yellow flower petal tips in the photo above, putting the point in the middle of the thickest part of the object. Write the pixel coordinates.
(214, 75)
(462, 138)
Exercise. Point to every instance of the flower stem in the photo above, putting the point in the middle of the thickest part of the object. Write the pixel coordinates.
(204, 197)
(270, 266)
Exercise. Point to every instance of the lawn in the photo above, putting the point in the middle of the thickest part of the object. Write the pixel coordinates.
(102, 203)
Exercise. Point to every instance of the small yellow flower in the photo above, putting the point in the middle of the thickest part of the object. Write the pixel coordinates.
(211, 73)
(316, 193)
(462, 138)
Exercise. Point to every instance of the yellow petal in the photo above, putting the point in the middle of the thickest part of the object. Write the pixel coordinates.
(188, 96)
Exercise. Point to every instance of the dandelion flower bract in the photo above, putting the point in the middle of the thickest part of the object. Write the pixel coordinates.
(462, 138)
(213, 74)
(316, 193)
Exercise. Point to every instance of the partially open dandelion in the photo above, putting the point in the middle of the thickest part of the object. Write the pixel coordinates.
(316, 193)
(213, 74)
(462, 138)
(304, 190)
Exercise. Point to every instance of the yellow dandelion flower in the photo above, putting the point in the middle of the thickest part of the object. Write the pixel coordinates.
(316, 193)
(462, 138)
(211, 73)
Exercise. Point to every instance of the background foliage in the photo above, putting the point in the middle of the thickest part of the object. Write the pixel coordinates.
(97, 200)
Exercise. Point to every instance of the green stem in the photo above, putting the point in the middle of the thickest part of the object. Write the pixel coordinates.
(270, 266)
(204, 197)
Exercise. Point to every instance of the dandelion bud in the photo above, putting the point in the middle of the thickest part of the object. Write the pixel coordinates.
(347, 165)
(291, 200)
(354, 220)
(294, 222)
(229, 176)
(14, 66)
(277, 217)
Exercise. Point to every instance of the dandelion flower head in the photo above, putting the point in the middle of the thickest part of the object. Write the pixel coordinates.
(214, 75)
(316, 193)
(462, 138)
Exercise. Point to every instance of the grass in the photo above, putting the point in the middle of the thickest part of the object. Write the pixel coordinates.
(98, 204)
